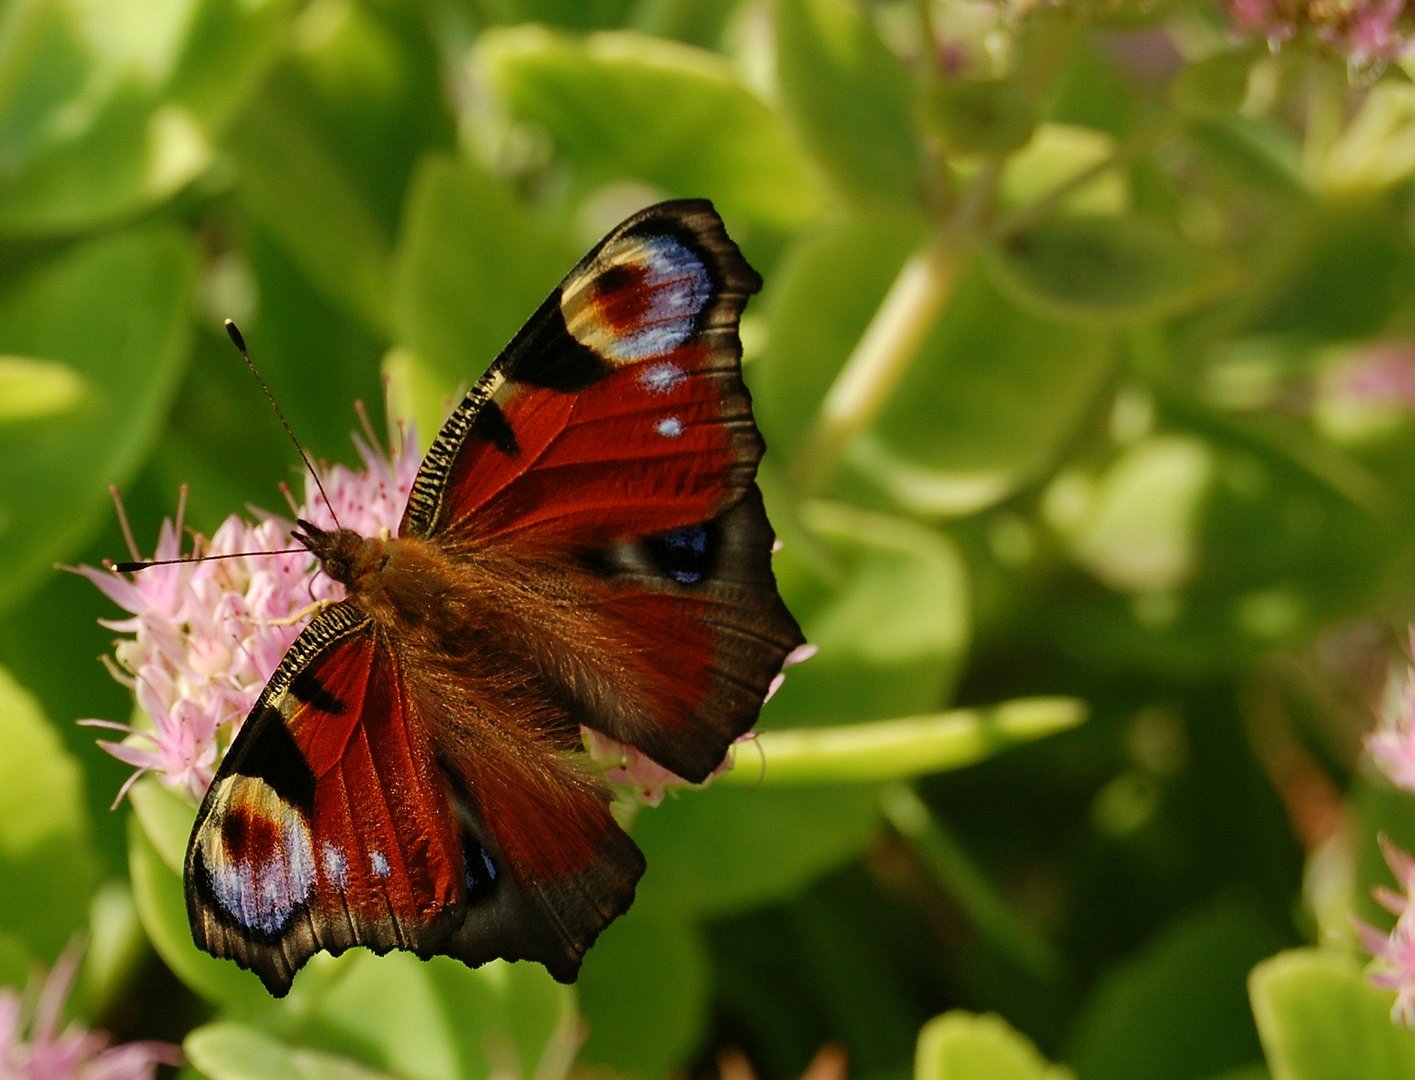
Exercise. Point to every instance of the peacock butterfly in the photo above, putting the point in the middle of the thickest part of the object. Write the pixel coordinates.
(584, 544)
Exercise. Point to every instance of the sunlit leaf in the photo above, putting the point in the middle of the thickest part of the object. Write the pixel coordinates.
(111, 108)
(37, 388)
(850, 99)
(962, 1046)
(114, 312)
(226, 1051)
(1319, 1017)
(46, 859)
(907, 747)
(623, 106)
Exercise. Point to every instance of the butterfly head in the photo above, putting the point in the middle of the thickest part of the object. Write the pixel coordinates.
(350, 559)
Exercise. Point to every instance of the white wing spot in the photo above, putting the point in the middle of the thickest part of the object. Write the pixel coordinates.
(380, 864)
(336, 867)
(661, 378)
(670, 427)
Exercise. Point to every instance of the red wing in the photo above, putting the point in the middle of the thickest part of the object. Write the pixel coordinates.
(615, 434)
(332, 823)
(618, 410)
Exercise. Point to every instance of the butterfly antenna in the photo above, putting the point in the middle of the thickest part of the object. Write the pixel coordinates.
(142, 564)
(234, 333)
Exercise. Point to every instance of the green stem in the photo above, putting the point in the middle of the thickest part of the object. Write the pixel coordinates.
(880, 359)
(907, 747)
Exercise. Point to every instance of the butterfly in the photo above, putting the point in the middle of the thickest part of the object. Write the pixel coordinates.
(584, 544)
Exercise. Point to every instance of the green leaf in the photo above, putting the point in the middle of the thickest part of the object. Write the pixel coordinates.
(1318, 1017)
(1142, 529)
(110, 109)
(1103, 271)
(639, 1034)
(849, 98)
(17, 962)
(815, 315)
(962, 1046)
(132, 290)
(1206, 951)
(1057, 156)
(942, 445)
(945, 444)
(32, 388)
(729, 849)
(46, 857)
(1214, 86)
(227, 1051)
(908, 747)
(294, 184)
(622, 106)
(471, 267)
(582, 14)
(886, 601)
(166, 819)
(424, 1020)
(980, 116)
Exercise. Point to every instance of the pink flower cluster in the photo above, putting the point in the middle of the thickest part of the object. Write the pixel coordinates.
(205, 636)
(1392, 748)
(202, 638)
(1395, 951)
(34, 1047)
(1369, 33)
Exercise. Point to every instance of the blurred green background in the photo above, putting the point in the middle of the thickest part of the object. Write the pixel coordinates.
(1086, 363)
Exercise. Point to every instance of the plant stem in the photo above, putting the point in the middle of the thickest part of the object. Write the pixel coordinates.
(879, 360)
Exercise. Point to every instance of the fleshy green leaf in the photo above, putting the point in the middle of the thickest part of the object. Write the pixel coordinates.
(424, 1020)
(1107, 270)
(31, 388)
(111, 108)
(227, 1051)
(46, 859)
(849, 98)
(815, 316)
(17, 962)
(908, 747)
(630, 1031)
(296, 187)
(1318, 1017)
(115, 312)
(980, 116)
(962, 1046)
(729, 849)
(166, 819)
(471, 267)
(622, 106)
(1057, 156)
(994, 397)
(1205, 951)
(886, 601)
